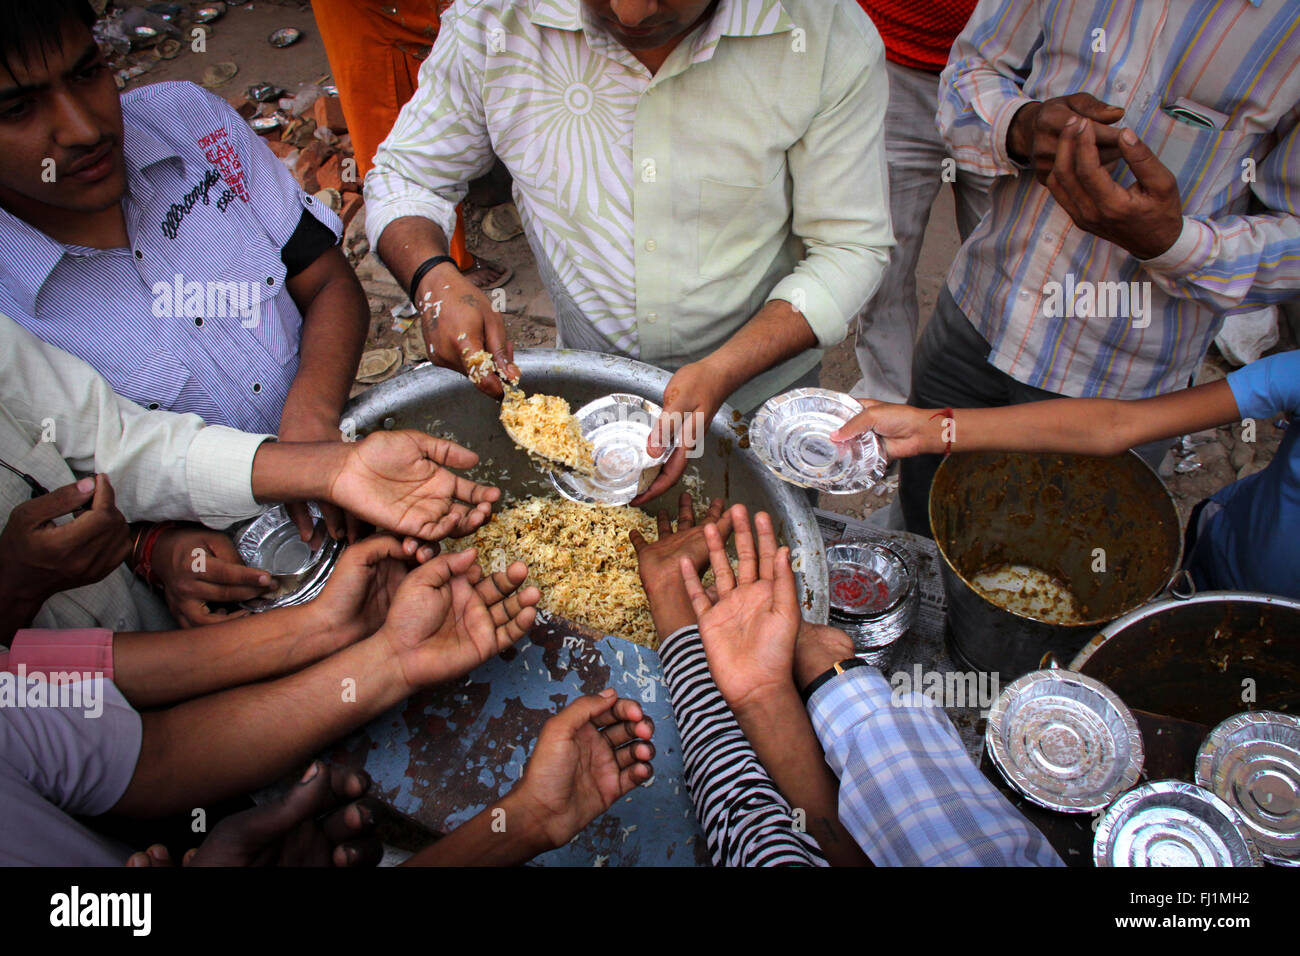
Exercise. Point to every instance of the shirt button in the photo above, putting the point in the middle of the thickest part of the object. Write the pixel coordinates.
(1121, 86)
(152, 406)
(1048, 237)
(257, 387)
(270, 280)
(198, 321)
(651, 245)
(652, 317)
(139, 254)
(1024, 294)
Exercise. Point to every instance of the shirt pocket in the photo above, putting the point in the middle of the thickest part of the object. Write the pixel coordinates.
(1203, 160)
(737, 221)
(252, 303)
(157, 381)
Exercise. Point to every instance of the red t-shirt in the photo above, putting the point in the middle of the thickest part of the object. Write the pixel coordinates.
(919, 33)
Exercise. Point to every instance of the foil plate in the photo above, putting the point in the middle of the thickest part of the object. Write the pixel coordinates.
(1064, 740)
(1251, 762)
(271, 542)
(1172, 823)
(791, 436)
(618, 427)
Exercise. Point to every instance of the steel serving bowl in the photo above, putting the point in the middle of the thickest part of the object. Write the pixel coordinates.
(444, 403)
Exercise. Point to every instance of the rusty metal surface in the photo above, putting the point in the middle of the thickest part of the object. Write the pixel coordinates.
(446, 754)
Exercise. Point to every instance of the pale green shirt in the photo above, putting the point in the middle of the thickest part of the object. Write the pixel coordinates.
(60, 420)
(663, 210)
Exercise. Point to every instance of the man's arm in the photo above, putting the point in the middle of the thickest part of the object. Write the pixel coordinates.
(157, 668)
(442, 624)
(909, 793)
(749, 636)
(980, 90)
(841, 212)
(1082, 426)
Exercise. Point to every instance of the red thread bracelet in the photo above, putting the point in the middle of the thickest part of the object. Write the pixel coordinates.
(947, 414)
(144, 566)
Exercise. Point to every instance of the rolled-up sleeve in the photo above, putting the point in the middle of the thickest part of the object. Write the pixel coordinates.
(909, 793)
(980, 91)
(439, 141)
(841, 189)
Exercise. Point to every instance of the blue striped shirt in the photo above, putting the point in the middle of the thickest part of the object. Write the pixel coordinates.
(194, 316)
(1236, 58)
(909, 793)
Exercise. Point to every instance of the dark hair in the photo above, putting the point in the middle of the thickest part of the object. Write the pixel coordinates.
(33, 25)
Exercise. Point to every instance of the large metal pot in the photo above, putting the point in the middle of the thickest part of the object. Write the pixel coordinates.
(1202, 658)
(445, 403)
(1051, 512)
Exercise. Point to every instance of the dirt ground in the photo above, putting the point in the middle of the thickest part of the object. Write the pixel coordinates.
(1213, 459)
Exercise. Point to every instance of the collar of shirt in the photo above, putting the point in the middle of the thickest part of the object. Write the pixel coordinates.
(38, 253)
(732, 18)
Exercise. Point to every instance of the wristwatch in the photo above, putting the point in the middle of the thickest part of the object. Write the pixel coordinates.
(835, 670)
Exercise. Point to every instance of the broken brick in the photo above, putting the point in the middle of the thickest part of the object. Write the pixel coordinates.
(330, 173)
(352, 203)
(328, 111)
(279, 148)
(242, 105)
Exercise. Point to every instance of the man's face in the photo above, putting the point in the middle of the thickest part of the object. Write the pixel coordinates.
(647, 24)
(60, 129)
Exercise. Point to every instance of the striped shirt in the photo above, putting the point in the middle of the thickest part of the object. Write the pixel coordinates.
(746, 821)
(1237, 62)
(909, 793)
(195, 315)
(664, 209)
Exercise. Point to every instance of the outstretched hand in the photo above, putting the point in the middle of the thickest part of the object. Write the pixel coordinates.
(401, 482)
(749, 631)
(594, 751)
(448, 617)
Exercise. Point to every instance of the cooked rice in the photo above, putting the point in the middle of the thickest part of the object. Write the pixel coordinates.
(543, 426)
(579, 556)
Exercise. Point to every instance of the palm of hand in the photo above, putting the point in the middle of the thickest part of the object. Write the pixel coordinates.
(444, 632)
(574, 778)
(402, 489)
(749, 641)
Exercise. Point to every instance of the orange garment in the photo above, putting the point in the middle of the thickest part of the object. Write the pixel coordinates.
(375, 48)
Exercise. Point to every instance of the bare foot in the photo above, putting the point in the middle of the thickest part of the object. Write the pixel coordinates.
(488, 275)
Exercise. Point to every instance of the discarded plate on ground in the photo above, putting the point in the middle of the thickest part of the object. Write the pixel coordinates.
(618, 427)
(791, 434)
(1171, 823)
(271, 542)
(1251, 761)
(1065, 741)
(169, 48)
(209, 13)
(264, 124)
(263, 92)
(379, 365)
(285, 36)
(219, 73)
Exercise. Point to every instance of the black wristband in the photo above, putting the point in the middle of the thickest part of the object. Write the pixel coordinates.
(423, 270)
(835, 670)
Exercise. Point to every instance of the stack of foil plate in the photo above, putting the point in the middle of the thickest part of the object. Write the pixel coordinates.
(1252, 763)
(1064, 740)
(1171, 823)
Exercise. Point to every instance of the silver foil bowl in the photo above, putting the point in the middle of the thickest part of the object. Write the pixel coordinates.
(285, 36)
(618, 427)
(1172, 823)
(874, 597)
(271, 542)
(791, 436)
(1252, 762)
(1065, 741)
